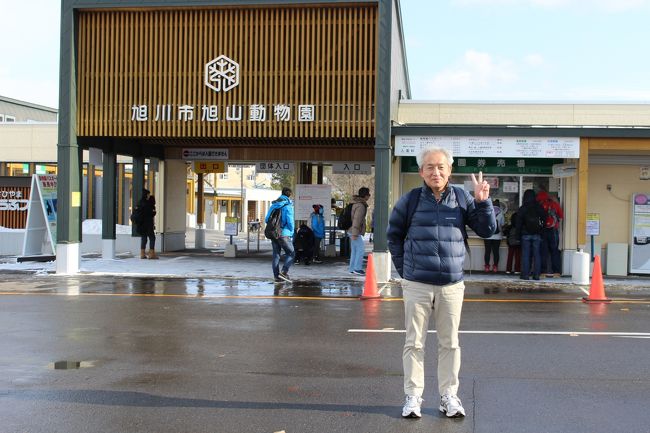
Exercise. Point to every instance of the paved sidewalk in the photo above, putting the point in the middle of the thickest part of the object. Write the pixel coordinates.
(257, 266)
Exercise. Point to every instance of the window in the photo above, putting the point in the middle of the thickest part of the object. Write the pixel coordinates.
(223, 176)
(250, 177)
(9, 119)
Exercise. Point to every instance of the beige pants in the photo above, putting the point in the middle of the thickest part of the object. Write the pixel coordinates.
(446, 302)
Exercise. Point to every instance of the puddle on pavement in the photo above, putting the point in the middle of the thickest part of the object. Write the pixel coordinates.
(207, 287)
(217, 287)
(70, 365)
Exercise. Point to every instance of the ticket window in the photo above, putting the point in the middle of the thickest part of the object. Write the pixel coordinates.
(509, 190)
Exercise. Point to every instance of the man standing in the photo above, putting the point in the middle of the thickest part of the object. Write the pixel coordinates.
(147, 210)
(284, 242)
(357, 230)
(530, 221)
(550, 234)
(426, 242)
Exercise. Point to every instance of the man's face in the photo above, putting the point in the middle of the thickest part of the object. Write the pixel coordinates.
(435, 171)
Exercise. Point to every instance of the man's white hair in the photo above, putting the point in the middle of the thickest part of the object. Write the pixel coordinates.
(424, 152)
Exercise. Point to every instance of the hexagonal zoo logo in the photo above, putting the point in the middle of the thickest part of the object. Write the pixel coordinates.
(222, 73)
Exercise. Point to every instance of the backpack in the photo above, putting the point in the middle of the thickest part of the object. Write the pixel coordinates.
(136, 216)
(532, 222)
(551, 216)
(345, 220)
(304, 239)
(513, 236)
(273, 229)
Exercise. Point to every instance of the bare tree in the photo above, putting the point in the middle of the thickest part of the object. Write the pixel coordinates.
(344, 186)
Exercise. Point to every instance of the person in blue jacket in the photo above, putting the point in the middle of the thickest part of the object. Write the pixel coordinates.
(317, 225)
(428, 251)
(284, 242)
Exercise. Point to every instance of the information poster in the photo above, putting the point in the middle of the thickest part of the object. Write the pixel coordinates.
(593, 224)
(231, 228)
(640, 250)
(40, 231)
(309, 195)
(48, 185)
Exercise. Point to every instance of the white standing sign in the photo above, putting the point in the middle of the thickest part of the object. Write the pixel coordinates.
(40, 231)
(307, 196)
(351, 168)
(231, 228)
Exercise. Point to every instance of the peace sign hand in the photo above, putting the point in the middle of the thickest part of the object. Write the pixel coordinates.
(481, 187)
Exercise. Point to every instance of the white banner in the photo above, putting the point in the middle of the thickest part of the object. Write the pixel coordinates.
(503, 147)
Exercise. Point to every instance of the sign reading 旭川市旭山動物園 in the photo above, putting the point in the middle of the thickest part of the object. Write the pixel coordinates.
(221, 74)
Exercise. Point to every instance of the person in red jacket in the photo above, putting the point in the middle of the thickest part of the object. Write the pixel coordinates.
(551, 234)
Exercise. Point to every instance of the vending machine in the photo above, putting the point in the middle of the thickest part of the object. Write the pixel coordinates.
(640, 236)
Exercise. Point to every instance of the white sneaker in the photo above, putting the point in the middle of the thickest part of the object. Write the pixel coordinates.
(412, 407)
(451, 406)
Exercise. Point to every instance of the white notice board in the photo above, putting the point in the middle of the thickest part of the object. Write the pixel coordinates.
(309, 195)
(496, 147)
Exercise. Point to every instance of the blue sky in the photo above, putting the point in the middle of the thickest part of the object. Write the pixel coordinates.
(467, 50)
(535, 50)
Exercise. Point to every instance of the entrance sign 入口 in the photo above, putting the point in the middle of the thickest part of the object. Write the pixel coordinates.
(40, 231)
(505, 147)
(640, 235)
(307, 195)
(351, 168)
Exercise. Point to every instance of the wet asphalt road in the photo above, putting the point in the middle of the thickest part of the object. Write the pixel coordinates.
(198, 355)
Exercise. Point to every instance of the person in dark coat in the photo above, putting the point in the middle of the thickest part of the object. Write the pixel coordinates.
(303, 244)
(531, 235)
(146, 227)
(514, 246)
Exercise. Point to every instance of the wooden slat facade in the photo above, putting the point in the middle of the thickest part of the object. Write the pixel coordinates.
(323, 56)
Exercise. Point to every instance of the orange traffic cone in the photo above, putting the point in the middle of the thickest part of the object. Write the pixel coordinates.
(597, 289)
(370, 286)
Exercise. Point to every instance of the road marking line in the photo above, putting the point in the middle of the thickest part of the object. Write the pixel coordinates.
(313, 298)
(630, 336)
(569, 333)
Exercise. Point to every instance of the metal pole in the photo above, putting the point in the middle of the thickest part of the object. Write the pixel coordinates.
(382, 129)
